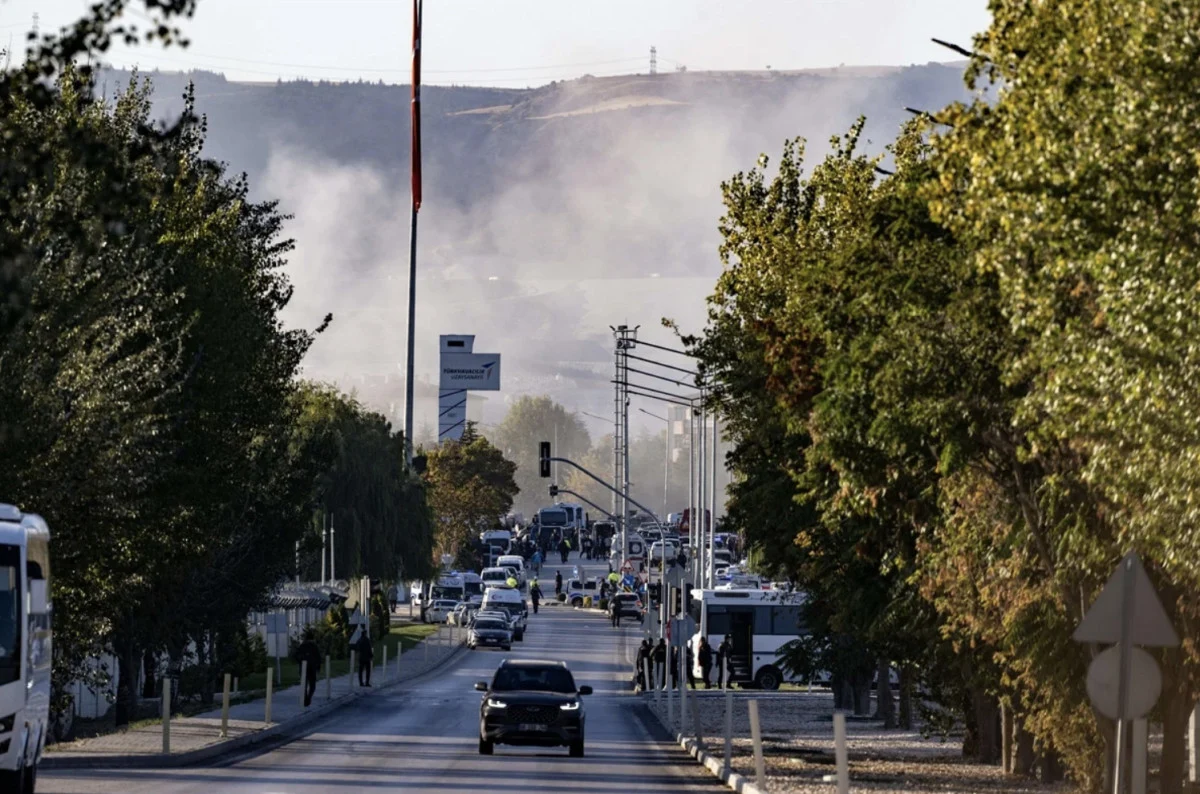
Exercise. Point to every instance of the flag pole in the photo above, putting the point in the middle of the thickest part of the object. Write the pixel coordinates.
(409, 373)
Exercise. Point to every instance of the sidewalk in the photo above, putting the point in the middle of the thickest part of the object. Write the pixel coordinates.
(196, 738)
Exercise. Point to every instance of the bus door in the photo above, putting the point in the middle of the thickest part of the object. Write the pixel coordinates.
(741, 635)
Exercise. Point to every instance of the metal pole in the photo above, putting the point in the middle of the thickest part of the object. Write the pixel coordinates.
(324, 546)
(332, 549)
(692, 490)
(166, 714)
(1120, 759)
(412, 325)
(712, 502)
(702, 554)
(666, 463)
(616, 497)
(225, 706)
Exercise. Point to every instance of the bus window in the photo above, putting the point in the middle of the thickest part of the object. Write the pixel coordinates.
(786, 620)
(718, 621)
(10, 614)
(762, 619)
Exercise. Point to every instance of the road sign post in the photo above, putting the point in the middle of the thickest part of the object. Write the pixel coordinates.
(1126, 614)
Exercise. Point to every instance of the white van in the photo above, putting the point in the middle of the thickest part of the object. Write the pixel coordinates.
(494, 577)
(509, 600)
(515, 561)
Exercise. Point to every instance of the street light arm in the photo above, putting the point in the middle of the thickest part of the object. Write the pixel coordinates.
(589, 501)
(606, 485)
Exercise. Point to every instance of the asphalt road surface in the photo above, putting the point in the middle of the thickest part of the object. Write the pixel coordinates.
(424, 737)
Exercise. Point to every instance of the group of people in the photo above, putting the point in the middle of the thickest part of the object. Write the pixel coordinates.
(309, 653)
(656, 655)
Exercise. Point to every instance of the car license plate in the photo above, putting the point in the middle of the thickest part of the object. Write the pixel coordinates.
(527, 727)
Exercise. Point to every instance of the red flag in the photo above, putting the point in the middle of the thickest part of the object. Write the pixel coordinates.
(416, 106)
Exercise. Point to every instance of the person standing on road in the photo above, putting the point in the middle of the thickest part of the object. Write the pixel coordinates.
(639, 665)
(366, 655)
(660, 663)
(309, 652)
(535, 595)
(706, 661)
(723, 651)
(557, 583)
(691, 671)
(614, 612)
(674, 667)
(536, 561)
(564, 549)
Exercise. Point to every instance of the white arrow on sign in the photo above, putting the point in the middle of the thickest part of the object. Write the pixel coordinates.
(1149, 625)
(358, 618)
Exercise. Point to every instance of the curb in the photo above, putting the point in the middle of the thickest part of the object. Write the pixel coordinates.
(231, 746)
(735, 781)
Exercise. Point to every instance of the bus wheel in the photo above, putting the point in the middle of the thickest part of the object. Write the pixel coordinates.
(768, 679)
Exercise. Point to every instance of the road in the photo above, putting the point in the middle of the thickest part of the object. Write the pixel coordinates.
(424, 737)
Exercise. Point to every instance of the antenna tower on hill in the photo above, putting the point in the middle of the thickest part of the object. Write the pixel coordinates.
(653, 60)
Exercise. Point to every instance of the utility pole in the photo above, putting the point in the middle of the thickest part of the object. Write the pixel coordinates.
(324, 545)
(626, 339)
(410, 371)
(332, 549)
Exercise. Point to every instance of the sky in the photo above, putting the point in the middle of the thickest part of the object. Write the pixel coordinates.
(519, 43)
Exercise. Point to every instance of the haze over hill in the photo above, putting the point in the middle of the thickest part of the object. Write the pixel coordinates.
(549, 213)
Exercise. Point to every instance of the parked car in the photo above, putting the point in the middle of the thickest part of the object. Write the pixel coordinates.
(490, 632)
(440, 610)
(532, 703)
(461, 616)
(509, 601)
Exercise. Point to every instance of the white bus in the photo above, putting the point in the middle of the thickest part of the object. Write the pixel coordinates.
(24, 646)
(758, 622)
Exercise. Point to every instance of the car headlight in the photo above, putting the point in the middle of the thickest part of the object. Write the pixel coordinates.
(496, 704)
(572, 706)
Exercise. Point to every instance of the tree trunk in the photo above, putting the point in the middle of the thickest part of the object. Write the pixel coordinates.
(1007, 732)
(862, 696)
(127, 693)
(906, 709)
(885, 706)
(987, 720)
(1176, 710)
(1023, 756)
(149, 664)
(1050, 768)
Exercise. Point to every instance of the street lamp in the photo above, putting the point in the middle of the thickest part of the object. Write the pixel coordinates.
(666, 455)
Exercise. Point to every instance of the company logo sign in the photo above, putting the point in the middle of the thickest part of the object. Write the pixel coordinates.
(473, 371)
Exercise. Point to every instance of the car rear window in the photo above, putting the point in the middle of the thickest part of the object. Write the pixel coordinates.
(536, 679)
(492, 625)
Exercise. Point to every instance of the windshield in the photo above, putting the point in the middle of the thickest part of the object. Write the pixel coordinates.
(455, 593)
(537, 679)
(474, 588)
(490, 576)
(490, 625)
(10, 614)
(553, 518)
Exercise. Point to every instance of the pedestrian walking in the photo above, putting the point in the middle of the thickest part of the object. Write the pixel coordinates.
(706, 661)
(557, 583)
(366, 655)
(535, 595)
(691, 671)
(564, 549)
(675, 667)
(310, 653)
(536, 561)
(614, 612)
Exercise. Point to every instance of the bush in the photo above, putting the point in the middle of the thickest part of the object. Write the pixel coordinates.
(332, 635)
(251, 655)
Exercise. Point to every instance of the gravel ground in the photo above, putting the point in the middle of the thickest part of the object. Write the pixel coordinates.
(797, 733)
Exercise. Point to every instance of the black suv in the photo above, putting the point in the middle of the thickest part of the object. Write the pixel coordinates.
(532, 703)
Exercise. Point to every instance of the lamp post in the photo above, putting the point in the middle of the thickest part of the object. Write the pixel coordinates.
(666, 455)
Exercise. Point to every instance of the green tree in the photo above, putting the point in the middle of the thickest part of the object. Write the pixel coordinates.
(471, 487)
(531, 420)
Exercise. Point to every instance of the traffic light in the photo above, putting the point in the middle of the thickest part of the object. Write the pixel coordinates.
(553, 490)
(544, 458)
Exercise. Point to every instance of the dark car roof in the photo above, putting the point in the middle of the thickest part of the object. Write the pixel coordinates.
(531, 663)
